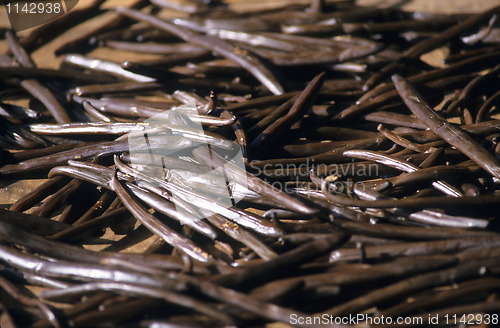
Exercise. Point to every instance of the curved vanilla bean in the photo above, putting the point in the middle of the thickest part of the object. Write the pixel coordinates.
(120, 87)
(58, 199)
(155, 48)
(243, 301)
(21, 55)
(488, 104)
(123, 107)
(343, 276)
(415, 283)
(450, 133)
(239, 132)
(168, 208)
(435, 41)
(30, 222)
(46, 73)
(87, 128)
(83, 272)
(35, 88)
(53, 160)
(382, 92)
(395, 119)
(15, 293)
(415, 248)
(277, 266)
(96, 114)
(299, 108)
(92, 176)
(416, 202)
(260, 101)
(462, 291)
(36, 195)
(242, 177)
(273, 116)
(205, 202)
(447, 82)
(474, 84)
(234, 231)
(400, 140)
(401, 165)
(16, 235)
(134, 290)
(156, 226)
(105, 66)
(243, 58)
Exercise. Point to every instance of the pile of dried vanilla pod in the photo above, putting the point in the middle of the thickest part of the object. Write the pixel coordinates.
(210, 164)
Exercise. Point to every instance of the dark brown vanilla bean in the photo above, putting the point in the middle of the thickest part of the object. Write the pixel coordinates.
(28, 301)
(52, 160)
(44, 73)
(486, 107)
(253, 183)
(465, 270)
(261, 101)
(450, 33)
(424, 77)
(387, 97)
(36, 89)
(465, 289)
(42, 33)
(414, 249)
(233, 230)
(153, 224)
(298, 109)
(99, 89)
(435, 41)
(290, 259)
(273, 116)
(56, 249)
(351, 276)
(134, 290)
(246, 60)
(475, 83)
(450, 133)
(106, 21)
